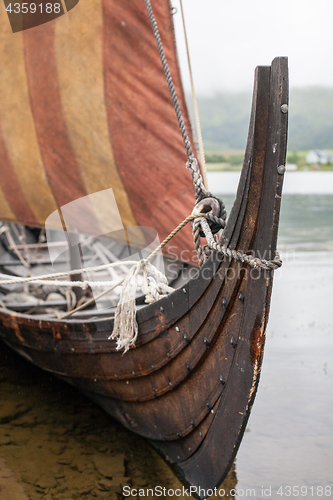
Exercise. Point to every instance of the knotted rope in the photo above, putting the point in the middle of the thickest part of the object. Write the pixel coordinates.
(237, 255)
(152, 282)
(155, 286)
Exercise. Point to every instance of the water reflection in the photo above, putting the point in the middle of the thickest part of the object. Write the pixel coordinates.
(306, 222)
(289, 446)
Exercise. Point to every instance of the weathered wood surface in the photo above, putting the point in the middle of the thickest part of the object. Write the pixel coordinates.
(190, 383)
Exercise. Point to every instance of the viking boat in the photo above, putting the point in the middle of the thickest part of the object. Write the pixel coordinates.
(86, 108)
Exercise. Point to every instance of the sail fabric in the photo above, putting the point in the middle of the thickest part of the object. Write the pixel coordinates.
(85, 107)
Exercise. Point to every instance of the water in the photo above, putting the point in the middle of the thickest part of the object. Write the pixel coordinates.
(53, 439)
(288, 447)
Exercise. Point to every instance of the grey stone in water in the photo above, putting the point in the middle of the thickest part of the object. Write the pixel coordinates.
(9, 487)
(109, 466)
(10, 410)
(64, 461)
(47, 481)
(105, 484)
(58, 449)
(5, 440)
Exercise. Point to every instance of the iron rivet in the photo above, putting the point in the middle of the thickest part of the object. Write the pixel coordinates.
(206, 341)
(225, 302)
(177, 329)
(115, 375)
(188, 366)
(133, 372)
(152, 366)
(284, 108)
(222, 379)
(186, 337)
(169, 355)
(161, 309)
(281, 169)
(233, 342)
(241, 296)
(179, 434)
(200, 433)
(192, 422)
(209, 406)
(184, 290)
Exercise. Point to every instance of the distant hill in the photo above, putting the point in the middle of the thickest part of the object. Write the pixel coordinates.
(225, 118)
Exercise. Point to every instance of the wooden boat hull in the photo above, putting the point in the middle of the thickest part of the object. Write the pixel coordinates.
(189, 384)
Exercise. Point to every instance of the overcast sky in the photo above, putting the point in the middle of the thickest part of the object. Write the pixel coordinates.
(228, 38)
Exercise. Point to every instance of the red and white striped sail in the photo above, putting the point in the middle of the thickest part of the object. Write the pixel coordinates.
(85, 107)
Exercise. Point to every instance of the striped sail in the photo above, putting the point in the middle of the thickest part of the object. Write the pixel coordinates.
(85, 107)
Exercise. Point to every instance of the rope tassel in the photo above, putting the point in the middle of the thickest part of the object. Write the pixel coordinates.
(155, 287)
(125, 328)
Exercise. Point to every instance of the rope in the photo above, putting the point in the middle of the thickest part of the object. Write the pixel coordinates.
(217, 221)
(155, 285)
(195, 106)
(16, 280)
(44, 277)
(93, 300)
(80, 284)
(192, 164)
(154, 290)
(172, 234)
(237, 255)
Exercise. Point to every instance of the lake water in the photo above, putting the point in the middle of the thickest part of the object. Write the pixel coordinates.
(288, 446)
(54, 440)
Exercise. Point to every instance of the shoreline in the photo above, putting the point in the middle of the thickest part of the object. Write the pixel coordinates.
(312, 182)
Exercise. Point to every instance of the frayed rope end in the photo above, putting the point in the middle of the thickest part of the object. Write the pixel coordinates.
(155, 287)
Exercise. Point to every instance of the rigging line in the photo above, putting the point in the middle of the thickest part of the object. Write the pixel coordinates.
(200, 189)
(29, 279)
(195, 106)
